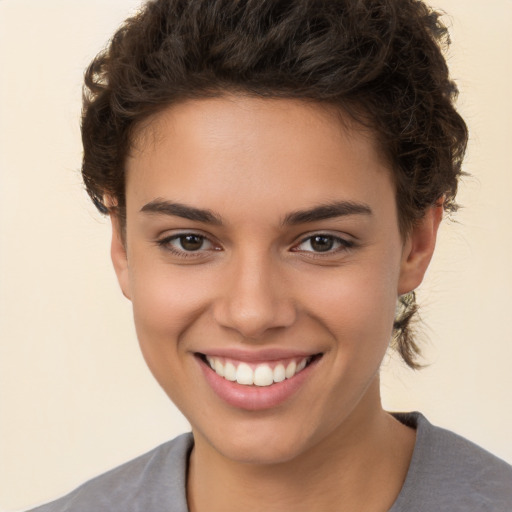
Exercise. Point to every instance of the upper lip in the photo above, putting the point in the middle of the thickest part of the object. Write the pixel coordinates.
(266, 354)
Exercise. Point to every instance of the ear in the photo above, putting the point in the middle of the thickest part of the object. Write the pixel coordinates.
(119, 255)
(418, 249)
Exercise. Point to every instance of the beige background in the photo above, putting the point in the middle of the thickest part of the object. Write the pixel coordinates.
(75, 396)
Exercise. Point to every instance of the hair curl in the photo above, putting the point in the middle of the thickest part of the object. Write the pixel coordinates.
(380, 61)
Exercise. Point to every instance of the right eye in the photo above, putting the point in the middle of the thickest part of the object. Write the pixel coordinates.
(187, 244)
(190, 242)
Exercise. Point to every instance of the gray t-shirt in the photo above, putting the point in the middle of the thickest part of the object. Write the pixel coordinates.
(447, 474)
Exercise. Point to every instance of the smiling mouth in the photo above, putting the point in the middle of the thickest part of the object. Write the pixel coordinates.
(257, 374)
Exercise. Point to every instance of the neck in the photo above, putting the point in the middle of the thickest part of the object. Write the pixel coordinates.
(361, 466)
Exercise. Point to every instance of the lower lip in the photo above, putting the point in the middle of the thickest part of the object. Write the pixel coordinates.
(255, 398)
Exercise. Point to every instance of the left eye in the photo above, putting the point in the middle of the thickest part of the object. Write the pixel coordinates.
(322, 243)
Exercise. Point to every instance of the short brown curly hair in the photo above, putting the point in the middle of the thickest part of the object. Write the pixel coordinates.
(380, 61)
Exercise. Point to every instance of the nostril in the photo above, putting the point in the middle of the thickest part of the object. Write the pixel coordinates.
(253, 316)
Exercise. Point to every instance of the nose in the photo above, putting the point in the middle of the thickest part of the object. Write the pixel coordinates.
(254, 297)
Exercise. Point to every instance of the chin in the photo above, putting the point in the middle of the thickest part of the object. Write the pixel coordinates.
(269, 452)
(263, 442)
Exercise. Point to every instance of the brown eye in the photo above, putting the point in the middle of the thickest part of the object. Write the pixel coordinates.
(322, 243)
(191, 242)
(188, 245)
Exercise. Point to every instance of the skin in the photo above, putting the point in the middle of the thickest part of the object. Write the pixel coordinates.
(256, 283)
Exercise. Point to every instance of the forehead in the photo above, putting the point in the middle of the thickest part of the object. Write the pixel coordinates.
(255, 151)
(235, 116)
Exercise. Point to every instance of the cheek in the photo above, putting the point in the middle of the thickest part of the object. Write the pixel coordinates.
(165, 298)
(165, 305)
(357, 305)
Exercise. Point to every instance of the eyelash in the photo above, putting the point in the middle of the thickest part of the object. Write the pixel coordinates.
(342, 245)
(165, 243)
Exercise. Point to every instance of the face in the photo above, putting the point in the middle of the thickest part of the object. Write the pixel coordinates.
(263, 260)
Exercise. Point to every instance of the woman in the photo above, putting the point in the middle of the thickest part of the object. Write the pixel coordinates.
(275, 175)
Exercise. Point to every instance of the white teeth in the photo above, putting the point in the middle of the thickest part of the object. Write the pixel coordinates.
(290, 370)
(219, 368)
(262, 375)
(301, 366)
(279, 373)
(230, 371)
(244, 374)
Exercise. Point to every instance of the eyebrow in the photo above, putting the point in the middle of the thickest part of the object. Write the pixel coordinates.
(314, 214)
(160, 206)
(327, 211)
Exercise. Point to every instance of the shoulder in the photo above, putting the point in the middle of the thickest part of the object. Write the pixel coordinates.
(448, 472)
(150, 482)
